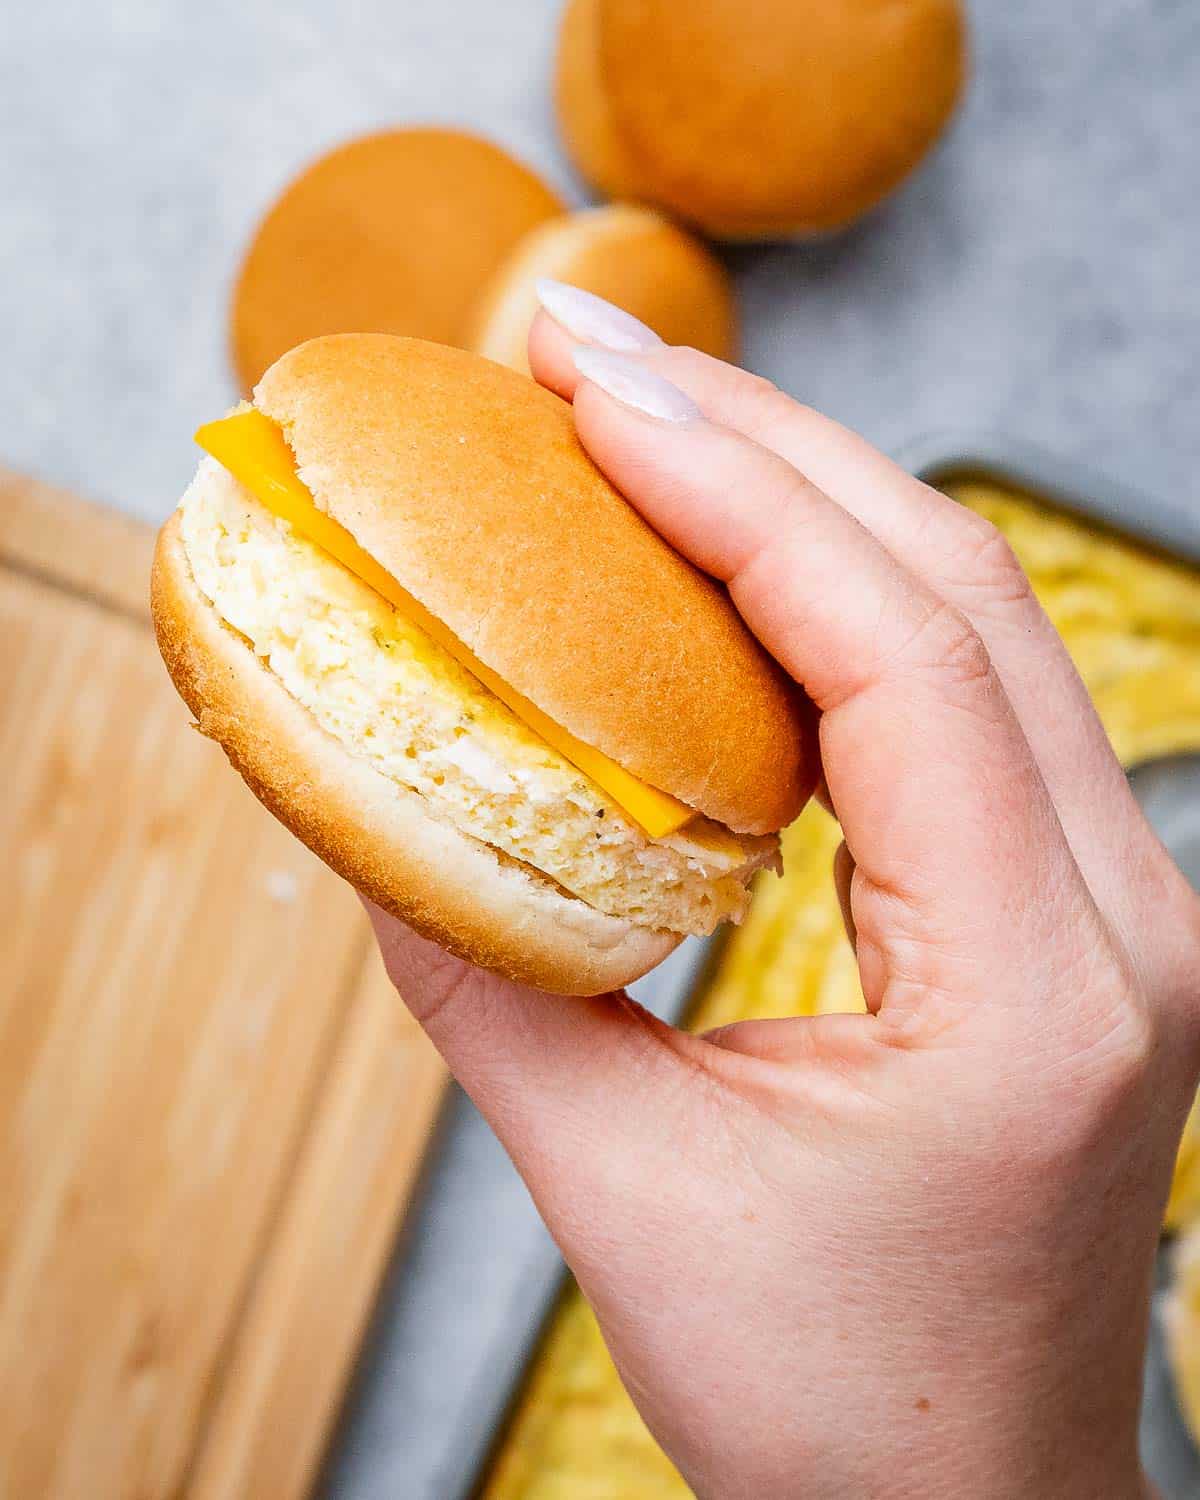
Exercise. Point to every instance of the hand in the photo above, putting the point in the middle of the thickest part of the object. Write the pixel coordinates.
(906, 1253)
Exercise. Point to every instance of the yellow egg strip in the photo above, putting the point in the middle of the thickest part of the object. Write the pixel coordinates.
(254, 450)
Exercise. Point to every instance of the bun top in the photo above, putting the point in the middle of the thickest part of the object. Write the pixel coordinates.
(467, 482)
(397, 232)
(581, 102)
(777, 117)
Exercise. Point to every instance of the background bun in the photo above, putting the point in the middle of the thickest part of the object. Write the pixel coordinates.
(776, 118)
(468, 483)
(629, 255)
(584, 117)
(451, 888)
(397, 232)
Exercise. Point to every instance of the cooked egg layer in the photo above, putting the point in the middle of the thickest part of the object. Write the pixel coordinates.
(379, 685)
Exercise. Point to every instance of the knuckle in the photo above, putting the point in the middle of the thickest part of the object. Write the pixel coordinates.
(964, 657)
(1130, 1049)
(1074, 1113)
(437, 989)
(761, 391)
(762, 406)
(1166, 920)
(1180, 915)
(990, 565)
(1114, 1070)
(939, 645)
(952, 646)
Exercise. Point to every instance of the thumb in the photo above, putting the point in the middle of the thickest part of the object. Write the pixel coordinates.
(556, 1078)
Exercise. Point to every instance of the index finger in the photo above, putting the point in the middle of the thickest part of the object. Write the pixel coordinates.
(941, 800)
(960, 556)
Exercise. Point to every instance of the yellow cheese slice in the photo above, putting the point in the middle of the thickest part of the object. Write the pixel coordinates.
(254, 450)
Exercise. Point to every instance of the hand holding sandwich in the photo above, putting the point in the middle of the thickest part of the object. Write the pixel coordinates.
(907, 1253)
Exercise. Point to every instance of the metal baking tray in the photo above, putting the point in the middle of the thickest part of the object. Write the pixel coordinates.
(1101, 502)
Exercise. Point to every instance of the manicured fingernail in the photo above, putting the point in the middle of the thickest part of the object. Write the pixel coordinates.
(630, 383)
(590, 318)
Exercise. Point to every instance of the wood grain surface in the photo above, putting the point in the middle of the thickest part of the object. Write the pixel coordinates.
(213, 1106)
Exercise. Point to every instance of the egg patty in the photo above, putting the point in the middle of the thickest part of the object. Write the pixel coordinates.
(391, 695)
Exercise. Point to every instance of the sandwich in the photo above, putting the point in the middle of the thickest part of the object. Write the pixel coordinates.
(447, 653)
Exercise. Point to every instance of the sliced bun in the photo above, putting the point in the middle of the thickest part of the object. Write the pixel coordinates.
(453, 889)
(629, 255)
(757, 121)
(397, 232)
(468, 483)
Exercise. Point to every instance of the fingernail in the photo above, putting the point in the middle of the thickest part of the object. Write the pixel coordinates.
(630, 383)
(590, 318)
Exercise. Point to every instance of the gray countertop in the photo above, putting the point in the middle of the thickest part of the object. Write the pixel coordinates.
(1038, 277)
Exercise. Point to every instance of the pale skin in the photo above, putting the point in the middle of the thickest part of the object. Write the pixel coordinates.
(907, 1253)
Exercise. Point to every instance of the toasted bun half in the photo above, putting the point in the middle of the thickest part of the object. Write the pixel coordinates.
(627, 254)
(787, 117)
(467, 482)
(397, 232)
(452, 888)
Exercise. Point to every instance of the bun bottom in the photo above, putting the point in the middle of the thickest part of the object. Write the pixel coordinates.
(453, 889)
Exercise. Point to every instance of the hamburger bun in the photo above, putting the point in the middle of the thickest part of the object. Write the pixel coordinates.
(789, 117)
(626, 254)
(397, 765)
(581, 100)
(397, 233)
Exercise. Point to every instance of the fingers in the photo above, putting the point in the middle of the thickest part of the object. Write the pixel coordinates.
(958, 554)
(939, 796)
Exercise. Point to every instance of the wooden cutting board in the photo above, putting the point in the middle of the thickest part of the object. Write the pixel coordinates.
(213, 1107)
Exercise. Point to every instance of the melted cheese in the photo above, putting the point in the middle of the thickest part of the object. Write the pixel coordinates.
(254, 450)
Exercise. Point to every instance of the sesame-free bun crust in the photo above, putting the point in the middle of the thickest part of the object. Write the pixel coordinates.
(627, 254)
(581, 101)
(397, 232)
(754, 121)
(467, 482)
(453, 889)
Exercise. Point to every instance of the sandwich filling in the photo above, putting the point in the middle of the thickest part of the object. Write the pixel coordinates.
(255, 451)
(391, 694)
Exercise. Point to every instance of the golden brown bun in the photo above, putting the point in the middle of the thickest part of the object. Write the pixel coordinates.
(584, 117)
(397, 232)
(629, 255)
(451, 888)
(468, 483)
(783, 117)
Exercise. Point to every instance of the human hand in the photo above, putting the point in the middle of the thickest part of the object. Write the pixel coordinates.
(905, 1253)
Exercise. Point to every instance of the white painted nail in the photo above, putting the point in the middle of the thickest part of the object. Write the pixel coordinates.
(629, 382)
(593, 320)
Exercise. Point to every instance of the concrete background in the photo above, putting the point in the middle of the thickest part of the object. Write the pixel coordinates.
(1038, 277)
